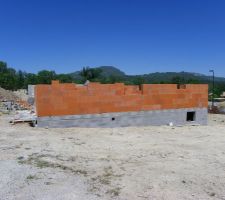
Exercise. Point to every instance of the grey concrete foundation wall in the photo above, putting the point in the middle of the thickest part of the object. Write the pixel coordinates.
(123, 119)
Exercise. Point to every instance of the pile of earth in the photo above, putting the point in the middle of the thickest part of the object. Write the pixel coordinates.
(6, 95)
(221, 107)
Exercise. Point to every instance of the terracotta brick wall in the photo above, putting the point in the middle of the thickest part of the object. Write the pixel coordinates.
(71, 99)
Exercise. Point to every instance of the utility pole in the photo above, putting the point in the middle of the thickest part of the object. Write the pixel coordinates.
(213, 82)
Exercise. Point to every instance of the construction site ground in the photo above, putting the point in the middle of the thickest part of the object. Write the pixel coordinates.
(155, 162)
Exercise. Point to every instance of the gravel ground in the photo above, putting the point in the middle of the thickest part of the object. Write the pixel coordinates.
(138, 163)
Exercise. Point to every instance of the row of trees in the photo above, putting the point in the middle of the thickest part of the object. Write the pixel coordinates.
(11, 79)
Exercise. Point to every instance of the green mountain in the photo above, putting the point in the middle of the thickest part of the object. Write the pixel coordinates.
(105, 72)
(111, 71)
(167, 77)
(157, 77)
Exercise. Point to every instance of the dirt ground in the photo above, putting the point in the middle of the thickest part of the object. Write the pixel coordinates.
(112, 163)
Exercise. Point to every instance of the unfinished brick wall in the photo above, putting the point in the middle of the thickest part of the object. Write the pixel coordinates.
(70, 99)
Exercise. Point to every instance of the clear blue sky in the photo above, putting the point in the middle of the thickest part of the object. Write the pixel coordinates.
(137, 36)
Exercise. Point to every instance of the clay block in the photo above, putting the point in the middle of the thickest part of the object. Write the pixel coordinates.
(64, 99)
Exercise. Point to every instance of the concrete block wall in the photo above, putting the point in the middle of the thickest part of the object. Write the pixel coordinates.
(123, 119)
(59, 99)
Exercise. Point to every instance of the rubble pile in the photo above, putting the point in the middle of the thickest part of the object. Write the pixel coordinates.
(16, 103)
(221, 107)
(6, 95)
(21, 94)
(11, 100)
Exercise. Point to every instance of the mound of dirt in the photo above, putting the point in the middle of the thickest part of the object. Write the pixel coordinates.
(221, 104)
(6, 95)
(221, 107)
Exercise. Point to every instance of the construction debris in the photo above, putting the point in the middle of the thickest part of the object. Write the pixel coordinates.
(24, 116)
(221, 107)
(6, 95)
(16, 102)
(21, 94)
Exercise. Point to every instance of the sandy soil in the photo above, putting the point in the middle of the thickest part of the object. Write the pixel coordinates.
(121, 163)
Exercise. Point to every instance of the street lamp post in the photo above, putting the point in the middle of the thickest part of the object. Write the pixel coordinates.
(213, 77)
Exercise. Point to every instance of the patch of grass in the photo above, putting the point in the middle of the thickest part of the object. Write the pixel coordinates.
(31, 177)
(40, 163)
(79, 143)
(80, 171)
(114, 192)
(22, 161)
(105, 178)
(48, 183)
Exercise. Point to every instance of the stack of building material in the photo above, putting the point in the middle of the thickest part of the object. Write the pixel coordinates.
(24, 116)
